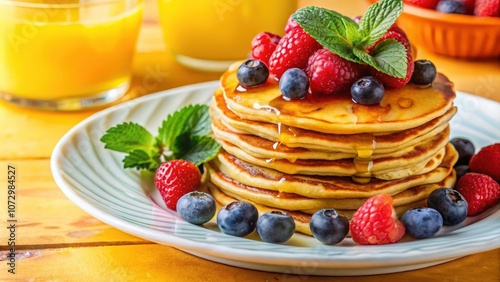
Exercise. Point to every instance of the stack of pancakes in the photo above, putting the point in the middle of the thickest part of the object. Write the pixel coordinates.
(300, 156)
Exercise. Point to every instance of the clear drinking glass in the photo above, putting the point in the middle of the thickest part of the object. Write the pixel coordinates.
(211, 34)
(67, 54)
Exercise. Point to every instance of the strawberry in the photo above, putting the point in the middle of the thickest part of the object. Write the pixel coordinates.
(263, 45)
(293, 51)
(375, 222)
(487, 8)
(487, 161)
(385, 79)
(427, 4)
(479, 190)
(329, 73)
(175, 178)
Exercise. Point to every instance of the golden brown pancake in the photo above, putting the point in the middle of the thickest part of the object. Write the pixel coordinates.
(402, 164)
(400, 109)
(361, 143)
(301, 218)
(263, 148)
(266, 149)
(293, 201)
(323, 187)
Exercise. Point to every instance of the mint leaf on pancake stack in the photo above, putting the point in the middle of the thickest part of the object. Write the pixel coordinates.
(348, 39)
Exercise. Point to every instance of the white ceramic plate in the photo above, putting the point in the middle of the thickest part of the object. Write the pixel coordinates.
(93, 178)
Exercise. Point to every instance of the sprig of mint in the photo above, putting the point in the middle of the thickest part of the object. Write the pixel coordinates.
(348, 39)
(184, 134)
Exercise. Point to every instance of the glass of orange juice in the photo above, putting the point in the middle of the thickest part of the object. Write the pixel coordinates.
(211, 34)
(67, 54)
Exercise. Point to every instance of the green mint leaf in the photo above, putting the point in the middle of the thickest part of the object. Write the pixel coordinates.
(192, 120)
(181, 144)
(352, 31)
(378, 19)
(127, 137)
(202, 149)
(344, 37)
(331, 29)
(389, 56)
(183, 135)
(141, 160)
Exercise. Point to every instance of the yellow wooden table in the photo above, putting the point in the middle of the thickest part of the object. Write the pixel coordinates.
(57, 241)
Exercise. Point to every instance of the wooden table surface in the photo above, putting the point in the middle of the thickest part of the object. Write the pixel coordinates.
(57, 241)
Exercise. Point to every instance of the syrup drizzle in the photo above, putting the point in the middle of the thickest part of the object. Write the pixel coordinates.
(394, 107)
(364, 151)
(339, 110)
(269, 108)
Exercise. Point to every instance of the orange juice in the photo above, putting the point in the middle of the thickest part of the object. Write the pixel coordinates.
(220, 30)
(66, 51)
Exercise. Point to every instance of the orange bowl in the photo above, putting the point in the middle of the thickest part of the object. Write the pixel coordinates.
(459, 36)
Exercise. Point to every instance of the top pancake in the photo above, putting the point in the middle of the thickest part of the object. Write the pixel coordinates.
(400, 109)
(339, 144)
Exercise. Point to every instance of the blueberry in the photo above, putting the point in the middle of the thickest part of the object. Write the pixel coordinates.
(465, 150)
(294, 84)
(275, 227)
(237, 218)
(367, 91)
(451, 7)
(252, 73)
(450, 204)
(424, 72)
(422, 223)
(196, 207)
(461, 170)
(328, 226)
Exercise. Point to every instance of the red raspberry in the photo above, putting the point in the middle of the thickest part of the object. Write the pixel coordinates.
(427, 4)
(487, 8)
(479, 190)
(291, 24)
(375, 222)
(263, 45)
(487, 161)
(385, 79)
(399, 30)
(329, 73)
(292, 51)
(394, 33)
(175, 178)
